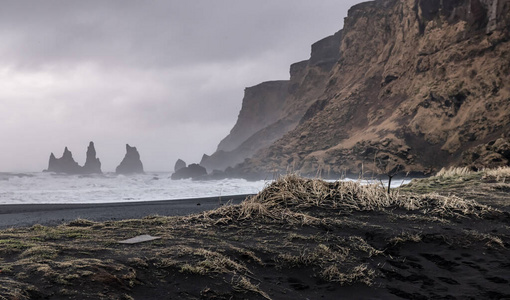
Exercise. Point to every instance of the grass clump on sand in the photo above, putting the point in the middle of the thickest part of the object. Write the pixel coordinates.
(298, 238)
(487, 186)
(288, 198)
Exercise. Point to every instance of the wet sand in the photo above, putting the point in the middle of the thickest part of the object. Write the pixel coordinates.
(18, 215)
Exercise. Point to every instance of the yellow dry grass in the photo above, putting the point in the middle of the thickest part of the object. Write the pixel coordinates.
(500, 174)
(451, 172)
(289, 196)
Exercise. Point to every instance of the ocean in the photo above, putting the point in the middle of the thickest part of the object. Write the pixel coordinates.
(39, 188)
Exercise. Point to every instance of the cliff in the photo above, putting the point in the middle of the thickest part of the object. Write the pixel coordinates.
(416, 84)
(262, 105)
(271, 109)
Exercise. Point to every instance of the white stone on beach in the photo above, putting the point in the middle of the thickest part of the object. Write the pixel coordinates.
(139, 239)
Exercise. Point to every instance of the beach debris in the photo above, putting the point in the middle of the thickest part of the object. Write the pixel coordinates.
(139, 239)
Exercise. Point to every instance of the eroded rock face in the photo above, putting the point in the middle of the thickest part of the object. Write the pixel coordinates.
(417, 82)
(92, 163)
(179, 164)
(192, 171)
(131, 164)
(491, 155)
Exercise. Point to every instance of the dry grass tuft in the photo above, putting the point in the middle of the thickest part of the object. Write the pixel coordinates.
(297, 192)
(243, 285)
(405, 237)
(490, 240)
(453, 172)
(359, 273)
(500, 174)
(40, 253)
(204, 262)
(81, 223)
(446, 206)
(287, 199)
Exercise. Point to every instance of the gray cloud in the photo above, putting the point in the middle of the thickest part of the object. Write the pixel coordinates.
(165, 76)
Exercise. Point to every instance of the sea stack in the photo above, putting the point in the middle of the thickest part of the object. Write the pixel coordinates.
(65, 164)
(192, 171)
(92, 164)
(131, 164)
(179, 164)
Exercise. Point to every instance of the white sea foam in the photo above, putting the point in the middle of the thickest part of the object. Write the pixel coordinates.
(31, 188)
(50, 188)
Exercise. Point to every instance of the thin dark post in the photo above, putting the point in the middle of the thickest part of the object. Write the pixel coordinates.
(389, 183)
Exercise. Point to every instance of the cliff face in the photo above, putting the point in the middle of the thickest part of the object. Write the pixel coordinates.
(271, 109)
(417, 83)
(262, 105)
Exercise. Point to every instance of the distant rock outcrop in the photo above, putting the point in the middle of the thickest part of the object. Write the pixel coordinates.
(67, 165)
(179, 164)
(92, 164)
(131, 164)
(191, 171)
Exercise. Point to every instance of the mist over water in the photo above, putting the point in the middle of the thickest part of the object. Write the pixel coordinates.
(37, 188)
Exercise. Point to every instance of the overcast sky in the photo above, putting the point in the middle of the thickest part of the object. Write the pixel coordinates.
(165, 76)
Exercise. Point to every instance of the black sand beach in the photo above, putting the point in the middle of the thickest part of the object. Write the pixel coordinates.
(16, 215)
(443, 237)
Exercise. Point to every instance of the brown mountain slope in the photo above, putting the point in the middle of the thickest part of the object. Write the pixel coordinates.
(417, 83)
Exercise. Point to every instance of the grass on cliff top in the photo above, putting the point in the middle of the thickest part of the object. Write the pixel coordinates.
(298, 238)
